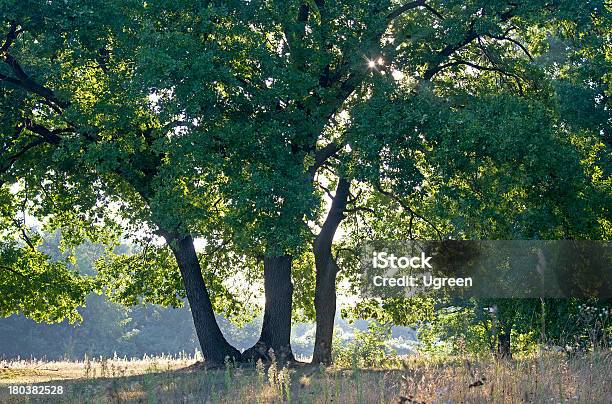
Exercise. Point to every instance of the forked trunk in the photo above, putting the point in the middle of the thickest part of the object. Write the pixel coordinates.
(276, 328)
(327, 269)
(215, 348)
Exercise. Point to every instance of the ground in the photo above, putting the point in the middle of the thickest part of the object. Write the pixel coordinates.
(545, 377)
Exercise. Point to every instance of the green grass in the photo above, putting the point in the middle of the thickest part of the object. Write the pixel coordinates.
(547, 377)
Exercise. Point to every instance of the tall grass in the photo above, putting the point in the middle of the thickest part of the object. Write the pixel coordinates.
(541, 377)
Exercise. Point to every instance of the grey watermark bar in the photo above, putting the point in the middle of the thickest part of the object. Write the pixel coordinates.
(488, 269)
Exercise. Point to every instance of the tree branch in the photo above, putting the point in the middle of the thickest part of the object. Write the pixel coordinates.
(406, 7)
(470, 35)
(8, 162)
(9, 79)
(477, 67)
(47, 135)
(447, 51)
(13, 271)
(433, 11)
(407, 208)
(360, 209)
(335, 215)
(327, 191)
(10, 37)
(324, 154)
(514, 41)
(353, 199)
(294, 39)
(27, 239)
(23, 80)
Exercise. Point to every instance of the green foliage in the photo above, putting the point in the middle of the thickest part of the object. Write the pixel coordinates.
(462, 119)
(368, 349)
(303, 296)
(41, 289)
(472, 326)
(151, 275)
(457, 331)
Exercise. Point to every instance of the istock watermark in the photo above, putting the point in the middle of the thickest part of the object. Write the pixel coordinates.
(425, 281)
(486, 268)
(386, 260)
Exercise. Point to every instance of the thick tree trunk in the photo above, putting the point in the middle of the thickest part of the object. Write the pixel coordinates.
(276, 328)
(326, 271)
(215, 348)
(503, 344)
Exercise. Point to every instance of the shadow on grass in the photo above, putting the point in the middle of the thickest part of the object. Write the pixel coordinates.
(246, 383)
(535, 379)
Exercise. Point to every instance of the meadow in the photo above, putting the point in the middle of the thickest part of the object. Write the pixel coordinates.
(543, 377)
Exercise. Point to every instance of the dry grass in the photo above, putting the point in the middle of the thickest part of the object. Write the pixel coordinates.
(548, 377)
(30, 371)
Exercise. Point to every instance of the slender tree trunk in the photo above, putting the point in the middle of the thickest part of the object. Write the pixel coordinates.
(276, 328)
(326, 271)
(503, 344)
(325, 308)
(215, 348)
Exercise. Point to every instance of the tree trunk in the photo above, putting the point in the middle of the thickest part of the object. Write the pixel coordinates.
(276, 328)
(503, 344)
(215, 348)
(326, 271)
(325, 308)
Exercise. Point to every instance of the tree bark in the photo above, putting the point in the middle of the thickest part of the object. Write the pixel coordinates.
(326, 271)
(215, 348)
(276, 328)
(325, 309)
(503, 344)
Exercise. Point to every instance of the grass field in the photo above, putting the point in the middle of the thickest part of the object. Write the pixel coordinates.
(549, 377)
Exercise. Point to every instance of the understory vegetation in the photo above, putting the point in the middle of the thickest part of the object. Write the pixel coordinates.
(538, 377)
